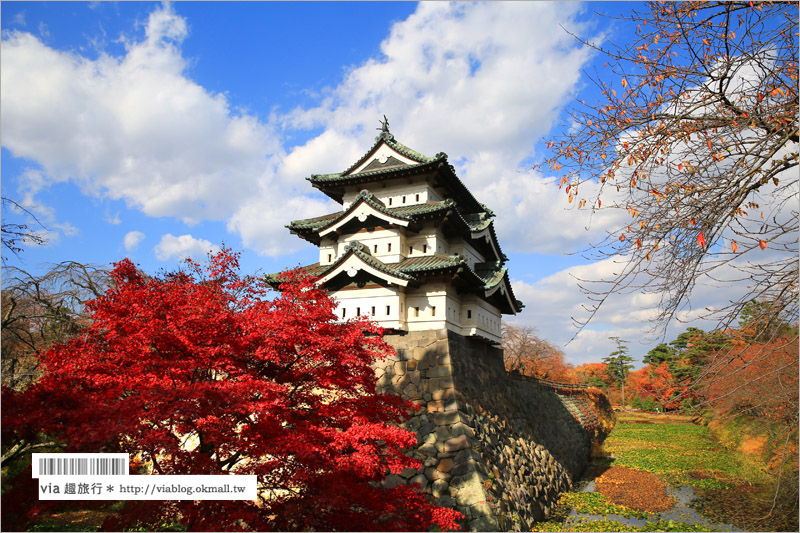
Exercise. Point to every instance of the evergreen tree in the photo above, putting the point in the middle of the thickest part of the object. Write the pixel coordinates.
(619, 364)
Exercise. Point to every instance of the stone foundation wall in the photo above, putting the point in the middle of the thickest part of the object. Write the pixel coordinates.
(496, 448)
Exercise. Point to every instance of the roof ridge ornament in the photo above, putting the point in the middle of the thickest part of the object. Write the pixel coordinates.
(357, 246)
(385, 135)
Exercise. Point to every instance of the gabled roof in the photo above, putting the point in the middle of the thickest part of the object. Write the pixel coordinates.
(408, 163)
(479, 225)
(489, 279)
(313, 229)
(497, 286)
(386, 138)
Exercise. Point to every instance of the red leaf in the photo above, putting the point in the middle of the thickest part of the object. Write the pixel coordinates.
(701, 240)
(762, 244)
(734, 246)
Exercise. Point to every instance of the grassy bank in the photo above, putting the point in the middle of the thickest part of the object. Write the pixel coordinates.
(729, 488)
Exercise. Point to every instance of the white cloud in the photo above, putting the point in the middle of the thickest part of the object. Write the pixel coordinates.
(172, 247)
(132, 127)
(114, 219)
(481, 82)
(132, 240)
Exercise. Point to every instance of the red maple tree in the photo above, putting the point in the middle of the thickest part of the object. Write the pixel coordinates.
(198, 372)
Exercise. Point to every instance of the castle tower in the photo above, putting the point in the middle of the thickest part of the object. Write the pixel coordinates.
(415, 251)
(411, 247)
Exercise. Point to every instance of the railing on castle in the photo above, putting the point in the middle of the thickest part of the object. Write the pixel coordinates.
(547, 383)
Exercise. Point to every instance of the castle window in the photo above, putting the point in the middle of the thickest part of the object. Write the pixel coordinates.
(416, 311)
(344, 312)
(424, 248)
(390, 201)
(417, 198)
(469, 313)
(389, 247)
(388, 310)
(330, 257)
(376, 248)
(404, 199)
(410, 250)
(433, 310)
(358, 311)
(373, 310)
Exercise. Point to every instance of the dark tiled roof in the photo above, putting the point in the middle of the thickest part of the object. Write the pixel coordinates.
(331, 183)
(313, 223)
(344, 178)
(477, 221)
(427, 263)
(485, 276)
(389, 139)
(408, 212)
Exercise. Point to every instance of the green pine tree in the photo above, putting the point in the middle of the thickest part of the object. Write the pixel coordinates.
(619, 364)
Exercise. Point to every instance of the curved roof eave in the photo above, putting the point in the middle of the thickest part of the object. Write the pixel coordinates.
(377, 209)
(504, 284)
(369, 264)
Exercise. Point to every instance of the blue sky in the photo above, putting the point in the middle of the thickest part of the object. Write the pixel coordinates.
(153, 131)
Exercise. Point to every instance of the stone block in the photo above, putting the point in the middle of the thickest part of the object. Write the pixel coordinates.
(408, 473)
(442, 433)
(439, 488)
(399, 368)
(400, 382)
(411, 365)
(446, 382)
(420, 354)
(446, 501)
(485, 523)
(428, 449)
(452, 405)
(471, 493)
(457, 443)
(411, 392)
(435, 405)
(445, 465)
(392, 480)
(465, 455)
(445, 476)
(459, 428)
(464, 468)
(439, 372)
(447, 418)
(420, 480)
(444, 393)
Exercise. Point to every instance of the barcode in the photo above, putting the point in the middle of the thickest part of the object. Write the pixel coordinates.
(80, 464)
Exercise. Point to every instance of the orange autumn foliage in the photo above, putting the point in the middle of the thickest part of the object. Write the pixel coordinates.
(757, 378)
(658, 384)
